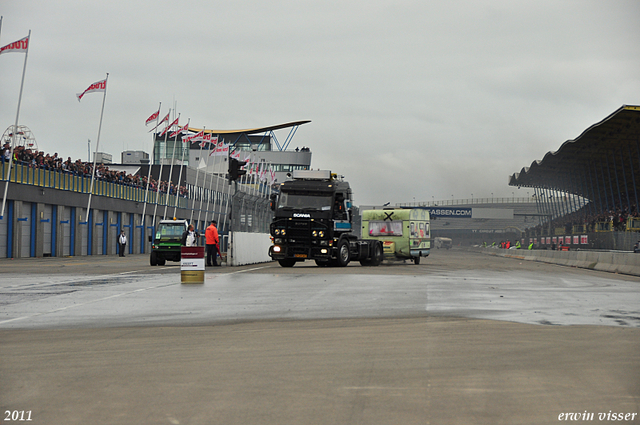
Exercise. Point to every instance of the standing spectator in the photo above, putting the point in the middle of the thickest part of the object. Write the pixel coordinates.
(122, 242)
(189, 237)
(213, 244)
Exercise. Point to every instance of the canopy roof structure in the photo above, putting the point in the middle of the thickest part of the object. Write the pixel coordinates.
(602, 164)
(269, 129)
(253, 130)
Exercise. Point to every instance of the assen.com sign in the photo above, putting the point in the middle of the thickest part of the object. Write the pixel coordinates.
(450, 212)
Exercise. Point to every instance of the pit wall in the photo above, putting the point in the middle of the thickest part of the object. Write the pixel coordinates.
(614, 262)
(248, 248)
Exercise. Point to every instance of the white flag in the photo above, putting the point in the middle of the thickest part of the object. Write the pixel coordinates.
(19, 46)
(95, 87)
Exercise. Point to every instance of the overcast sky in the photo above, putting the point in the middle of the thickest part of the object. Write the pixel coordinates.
(409, 100)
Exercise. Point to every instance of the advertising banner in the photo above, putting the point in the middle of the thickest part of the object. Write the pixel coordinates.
(192, 264)
(449, 212)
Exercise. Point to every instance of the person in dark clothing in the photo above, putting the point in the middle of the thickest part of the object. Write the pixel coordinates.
(122, 243)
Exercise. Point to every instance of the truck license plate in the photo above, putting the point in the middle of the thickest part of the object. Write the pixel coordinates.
(300, 255)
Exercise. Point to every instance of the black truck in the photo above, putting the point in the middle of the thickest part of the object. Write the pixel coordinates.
(313, 221)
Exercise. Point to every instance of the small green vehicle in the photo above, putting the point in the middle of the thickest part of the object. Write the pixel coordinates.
(405, 233)
(166, 244)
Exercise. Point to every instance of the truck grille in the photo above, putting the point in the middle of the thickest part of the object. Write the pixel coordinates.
(299, 230)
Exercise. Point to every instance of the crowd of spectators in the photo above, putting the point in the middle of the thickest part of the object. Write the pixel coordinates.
(617, 217)
(38, 159)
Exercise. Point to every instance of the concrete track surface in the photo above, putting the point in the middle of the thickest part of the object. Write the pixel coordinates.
(463, 338)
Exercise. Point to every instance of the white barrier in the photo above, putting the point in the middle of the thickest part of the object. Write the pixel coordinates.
(608, 261)
(248, 248)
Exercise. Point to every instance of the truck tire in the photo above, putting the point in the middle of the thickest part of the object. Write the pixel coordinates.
(377, 255)
(162, 261)
(416, 260)
(287, 262)
(344, 255)
(153, 258)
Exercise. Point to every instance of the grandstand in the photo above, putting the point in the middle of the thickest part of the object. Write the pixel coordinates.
(585, 195)
(598, 175)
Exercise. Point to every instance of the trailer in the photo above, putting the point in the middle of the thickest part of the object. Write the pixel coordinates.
(405, 233)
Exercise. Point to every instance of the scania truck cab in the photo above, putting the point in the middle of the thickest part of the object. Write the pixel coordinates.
(313, 221)
(404, 233)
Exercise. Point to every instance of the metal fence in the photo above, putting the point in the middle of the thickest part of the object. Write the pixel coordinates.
(250, 213)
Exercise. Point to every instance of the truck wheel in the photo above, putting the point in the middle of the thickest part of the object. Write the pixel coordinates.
(153, 259)
(344, 255)
(287, 262)
(416, 260)
(161, 261)
(377, 255)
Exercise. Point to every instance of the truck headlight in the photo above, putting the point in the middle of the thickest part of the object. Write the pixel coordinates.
(276, 248)
(314, 233)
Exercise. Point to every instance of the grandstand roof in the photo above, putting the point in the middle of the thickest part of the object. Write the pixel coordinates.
(253, 130)
(601, 161)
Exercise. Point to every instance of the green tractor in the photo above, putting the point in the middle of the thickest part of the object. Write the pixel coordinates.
(166, 243)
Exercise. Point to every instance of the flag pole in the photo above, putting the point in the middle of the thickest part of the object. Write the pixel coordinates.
(155, 208)
(173, 158)
(202, 143)
(95, 154)
(213, 214)
(146, 192)
(175, 208)
(15, 128)
(211, 192)
(229, 197)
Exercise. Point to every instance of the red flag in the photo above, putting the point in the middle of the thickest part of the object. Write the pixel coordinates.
(165, 119)
(207, 138)
(95, 87)
(153, 117)
(195, 138)
(169, 126)
(19, 46)
(180, 130)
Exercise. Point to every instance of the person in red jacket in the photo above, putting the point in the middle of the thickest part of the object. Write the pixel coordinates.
(213, 244)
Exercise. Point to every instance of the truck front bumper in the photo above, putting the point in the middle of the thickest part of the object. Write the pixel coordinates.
(282, 252)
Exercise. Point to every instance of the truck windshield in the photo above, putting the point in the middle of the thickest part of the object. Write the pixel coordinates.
(170, 230)
(320, 202)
